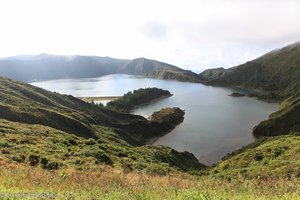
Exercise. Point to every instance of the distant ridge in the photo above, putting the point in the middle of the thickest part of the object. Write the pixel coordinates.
(274, 76)
(46, 67)
(276, 73)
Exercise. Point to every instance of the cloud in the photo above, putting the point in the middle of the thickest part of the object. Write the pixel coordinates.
(154, 30)
(196, 34)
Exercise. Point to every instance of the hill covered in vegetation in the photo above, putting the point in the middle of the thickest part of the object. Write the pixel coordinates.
(50, 130)
(268, 169)
(48, 67)
(274, 76)
(137, 98)
(160, 70)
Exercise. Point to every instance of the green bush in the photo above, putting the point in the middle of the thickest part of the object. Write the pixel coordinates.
(102, 157)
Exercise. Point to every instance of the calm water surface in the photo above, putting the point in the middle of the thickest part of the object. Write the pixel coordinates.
(214, 125)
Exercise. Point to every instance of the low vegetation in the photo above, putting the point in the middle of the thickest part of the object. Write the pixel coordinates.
(275, 157)
(48, 148)
(136, 98)
(108, 183)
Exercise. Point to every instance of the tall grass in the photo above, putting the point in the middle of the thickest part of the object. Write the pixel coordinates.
(110, 183)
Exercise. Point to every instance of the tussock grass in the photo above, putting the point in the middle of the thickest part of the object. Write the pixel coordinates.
(111, 183)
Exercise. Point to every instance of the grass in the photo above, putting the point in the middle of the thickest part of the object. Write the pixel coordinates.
(110, 183)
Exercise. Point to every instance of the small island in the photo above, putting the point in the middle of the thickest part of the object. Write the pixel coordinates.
(164, 121)
(136, 98)
(236, 94)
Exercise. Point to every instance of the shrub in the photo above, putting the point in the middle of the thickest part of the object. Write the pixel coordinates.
(102, 157)
(72, 141)
(33, 160)
(90, 141)
(47, 164)
(4, 144)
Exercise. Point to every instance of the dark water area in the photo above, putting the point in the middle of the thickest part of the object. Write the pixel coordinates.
(215, 124)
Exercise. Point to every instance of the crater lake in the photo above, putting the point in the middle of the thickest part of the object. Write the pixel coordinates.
(215, 124)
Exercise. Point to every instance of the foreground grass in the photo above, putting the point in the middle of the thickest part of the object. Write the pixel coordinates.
(110, 183)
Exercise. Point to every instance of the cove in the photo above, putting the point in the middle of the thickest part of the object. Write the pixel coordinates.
(215, 124)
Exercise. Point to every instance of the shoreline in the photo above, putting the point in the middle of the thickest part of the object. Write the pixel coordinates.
(103, 98)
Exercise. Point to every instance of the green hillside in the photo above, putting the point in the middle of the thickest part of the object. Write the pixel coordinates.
(275, 77)
(275, 157)
(160, 70)
(276, 74)
(44, 126)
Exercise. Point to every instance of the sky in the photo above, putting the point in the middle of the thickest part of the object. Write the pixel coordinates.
(191, 34)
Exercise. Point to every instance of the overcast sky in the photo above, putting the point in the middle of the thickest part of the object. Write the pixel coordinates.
(192, 34)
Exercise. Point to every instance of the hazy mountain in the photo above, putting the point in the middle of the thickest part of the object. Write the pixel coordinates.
(156, 69)
(47, 67)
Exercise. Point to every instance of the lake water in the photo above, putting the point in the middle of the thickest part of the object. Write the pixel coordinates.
(215, 124)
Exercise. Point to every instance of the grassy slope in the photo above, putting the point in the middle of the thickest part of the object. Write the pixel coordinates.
(66, 121)
(20, 142)
(270, 157)
(276, 73)
(110, 183)
(281, 122)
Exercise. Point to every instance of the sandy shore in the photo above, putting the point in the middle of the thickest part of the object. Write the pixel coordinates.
(106, 98)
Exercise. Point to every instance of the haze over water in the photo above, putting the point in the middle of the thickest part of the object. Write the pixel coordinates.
(215, 124)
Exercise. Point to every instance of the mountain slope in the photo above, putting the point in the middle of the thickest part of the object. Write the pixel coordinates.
(275, 76)
(156, 69)
(276, 73)
(269, 157)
